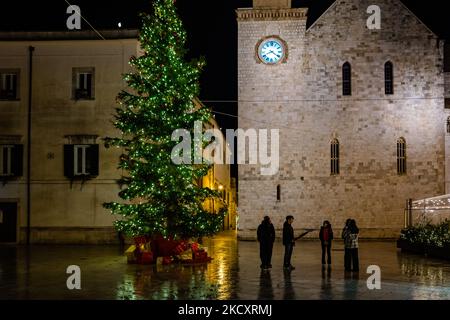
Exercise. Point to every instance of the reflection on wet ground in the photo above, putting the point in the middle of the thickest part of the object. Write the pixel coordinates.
(39, 272)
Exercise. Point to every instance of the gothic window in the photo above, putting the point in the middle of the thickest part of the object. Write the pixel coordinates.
(347, 79)
(389, 78)
(278, 193)
(401, 156)
(335, 157)
(448, 125)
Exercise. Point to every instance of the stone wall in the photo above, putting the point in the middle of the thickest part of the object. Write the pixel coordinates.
(64, 211)
(71, 235)
(303, 98)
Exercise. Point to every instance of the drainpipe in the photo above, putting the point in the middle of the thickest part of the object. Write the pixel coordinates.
(30, 99)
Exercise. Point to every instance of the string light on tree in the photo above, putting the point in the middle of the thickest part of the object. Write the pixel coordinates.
(159, 196)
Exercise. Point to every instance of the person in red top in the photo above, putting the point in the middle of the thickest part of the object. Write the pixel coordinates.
(326, 237)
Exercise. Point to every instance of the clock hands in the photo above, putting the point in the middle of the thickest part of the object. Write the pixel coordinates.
(270, 51)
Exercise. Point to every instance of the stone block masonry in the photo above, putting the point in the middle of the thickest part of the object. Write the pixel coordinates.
(303, 98)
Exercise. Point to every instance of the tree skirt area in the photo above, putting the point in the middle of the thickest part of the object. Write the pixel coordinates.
(157, 250)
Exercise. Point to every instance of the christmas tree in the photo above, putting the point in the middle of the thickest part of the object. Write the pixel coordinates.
(160, 197)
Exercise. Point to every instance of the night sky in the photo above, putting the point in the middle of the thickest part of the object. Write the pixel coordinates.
(211, 26)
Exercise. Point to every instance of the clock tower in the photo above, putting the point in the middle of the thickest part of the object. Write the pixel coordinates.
(358, 115)
(271, 49)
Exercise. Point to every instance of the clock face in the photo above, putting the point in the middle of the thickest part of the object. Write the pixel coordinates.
(271, 51)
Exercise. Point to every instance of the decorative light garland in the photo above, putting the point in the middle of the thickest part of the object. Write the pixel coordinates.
(161, 197)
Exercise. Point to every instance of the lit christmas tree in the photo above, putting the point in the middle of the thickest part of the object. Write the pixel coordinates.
(160, 197)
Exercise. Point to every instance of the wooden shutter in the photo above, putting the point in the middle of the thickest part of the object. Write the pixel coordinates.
(89, 85)
(68, 161)
(17, 160)
(92, 160)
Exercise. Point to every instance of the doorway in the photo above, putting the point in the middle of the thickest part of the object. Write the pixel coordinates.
(8, 222)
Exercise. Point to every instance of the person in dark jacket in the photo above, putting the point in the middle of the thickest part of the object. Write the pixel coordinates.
(326, 237)
(350, 236)
(288, 242)
(266, 238)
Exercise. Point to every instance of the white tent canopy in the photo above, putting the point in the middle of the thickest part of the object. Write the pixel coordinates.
(433, 210)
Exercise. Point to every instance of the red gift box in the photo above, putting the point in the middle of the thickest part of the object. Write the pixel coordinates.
(165, 247)
(140, 240)
(167, 260)
(179, 249)
(146, 258)
(194, 247)
(200, 255)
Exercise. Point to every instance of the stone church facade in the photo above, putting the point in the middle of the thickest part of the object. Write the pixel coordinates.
(361, 114)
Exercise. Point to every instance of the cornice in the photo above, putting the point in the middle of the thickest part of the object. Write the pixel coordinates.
(271, 14)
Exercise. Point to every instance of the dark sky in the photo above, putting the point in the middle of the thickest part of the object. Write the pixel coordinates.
(211, 26)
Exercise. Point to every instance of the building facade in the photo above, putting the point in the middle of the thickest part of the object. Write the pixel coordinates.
(361, 114)
(71, 93)
(219, 179)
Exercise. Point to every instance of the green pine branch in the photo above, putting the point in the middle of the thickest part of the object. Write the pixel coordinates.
(160, 197)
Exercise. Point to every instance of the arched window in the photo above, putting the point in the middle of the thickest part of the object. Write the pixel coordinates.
(448, 125)
(389, 78)
(347, 79)
(335, 157)
(401, 156)
(278, 193)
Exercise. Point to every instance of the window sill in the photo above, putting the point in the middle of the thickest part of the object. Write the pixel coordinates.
(5, 99)
(83, 99)
(82, 177)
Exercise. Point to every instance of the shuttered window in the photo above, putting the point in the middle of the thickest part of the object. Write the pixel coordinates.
(81, 160)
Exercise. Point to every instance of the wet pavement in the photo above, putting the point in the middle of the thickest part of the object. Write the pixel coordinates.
(39, 272)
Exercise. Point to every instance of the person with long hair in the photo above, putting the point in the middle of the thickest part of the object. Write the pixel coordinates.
(350, 235)
(326, 237)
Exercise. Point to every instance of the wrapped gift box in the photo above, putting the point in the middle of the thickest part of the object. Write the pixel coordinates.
(167, 260)
(200, 255)
(186, 255)
(131, 254)
(146, 258)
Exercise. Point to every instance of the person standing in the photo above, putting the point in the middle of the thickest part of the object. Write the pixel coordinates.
(266, 238)
(344, 235)
(288, 242)
(326, 237)
(350, 235)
